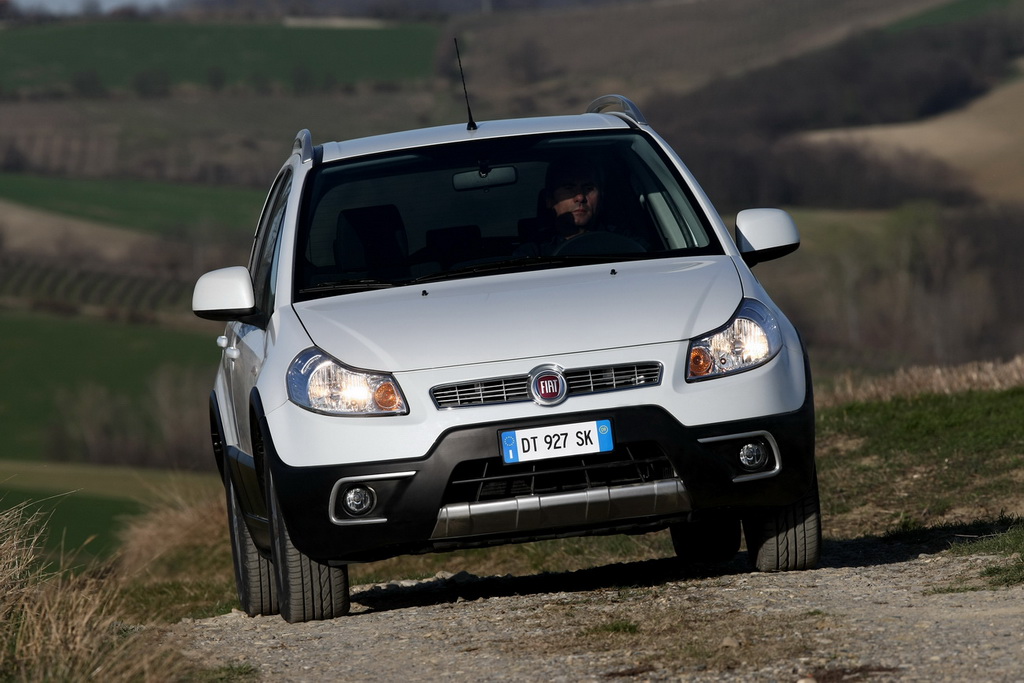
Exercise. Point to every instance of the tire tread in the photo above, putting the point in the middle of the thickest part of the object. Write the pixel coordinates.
(254, 574)
(307, 590)
(787, 538)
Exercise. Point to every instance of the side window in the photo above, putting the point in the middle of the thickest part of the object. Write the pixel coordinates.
(263, 266)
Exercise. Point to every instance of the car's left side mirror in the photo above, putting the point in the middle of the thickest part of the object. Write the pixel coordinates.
(225, 294)
(765, 234)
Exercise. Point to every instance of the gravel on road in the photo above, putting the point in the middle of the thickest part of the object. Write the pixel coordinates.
(873, 611)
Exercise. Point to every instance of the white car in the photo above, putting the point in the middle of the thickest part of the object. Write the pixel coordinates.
(478, 334)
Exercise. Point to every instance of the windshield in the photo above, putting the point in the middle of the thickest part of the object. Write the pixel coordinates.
(474, 208)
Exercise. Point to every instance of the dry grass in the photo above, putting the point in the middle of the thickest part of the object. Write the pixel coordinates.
(63, 626)
(150, 541)
(915, 381)
(19, 541)
(175, 561)
(70, 629)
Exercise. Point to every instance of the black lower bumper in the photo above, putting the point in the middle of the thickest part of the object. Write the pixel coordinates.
(461, 494)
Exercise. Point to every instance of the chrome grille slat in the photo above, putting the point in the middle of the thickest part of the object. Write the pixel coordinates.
(579, 380)
(576, 466)
(481, 393)
(490, 479)
(530, 514)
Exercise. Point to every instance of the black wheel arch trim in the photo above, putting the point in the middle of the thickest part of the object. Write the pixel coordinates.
(246, 473)
(258, 420)
(217, 434)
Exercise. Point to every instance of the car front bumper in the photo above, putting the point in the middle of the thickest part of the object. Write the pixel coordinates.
(461, 493)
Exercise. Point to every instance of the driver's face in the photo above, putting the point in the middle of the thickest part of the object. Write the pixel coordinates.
(578, 195)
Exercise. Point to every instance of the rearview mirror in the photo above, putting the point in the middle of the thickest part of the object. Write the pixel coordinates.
(493, 177)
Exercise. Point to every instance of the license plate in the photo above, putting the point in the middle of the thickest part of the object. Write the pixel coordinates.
(523, 445)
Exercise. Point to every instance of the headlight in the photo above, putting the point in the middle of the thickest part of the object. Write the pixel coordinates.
(321, 384)
(751, 339)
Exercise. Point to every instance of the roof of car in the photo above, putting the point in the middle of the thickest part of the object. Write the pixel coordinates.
(454, 133)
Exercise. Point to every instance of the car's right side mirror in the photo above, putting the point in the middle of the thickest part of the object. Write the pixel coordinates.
(765, 234)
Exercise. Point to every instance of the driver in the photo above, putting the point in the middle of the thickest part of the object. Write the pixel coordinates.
(571, 205)
(572, 190)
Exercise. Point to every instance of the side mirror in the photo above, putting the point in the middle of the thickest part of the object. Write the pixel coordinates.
(765, 234)
(224, 294)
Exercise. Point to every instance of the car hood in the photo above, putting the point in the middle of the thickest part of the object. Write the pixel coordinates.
(537, 314)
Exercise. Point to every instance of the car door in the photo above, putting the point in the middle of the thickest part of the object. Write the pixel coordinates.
(248, 340)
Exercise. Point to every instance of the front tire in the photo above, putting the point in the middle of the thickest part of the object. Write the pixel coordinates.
(254, 574)
(785, 538)
(306, 589)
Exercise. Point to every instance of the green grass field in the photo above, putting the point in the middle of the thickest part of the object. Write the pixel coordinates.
(160, 208)
(80, 527)
(87, 505)
(132, 484)
(943, 452)
(45, 362)
(49, 56)
(44, 359)
(957, 11)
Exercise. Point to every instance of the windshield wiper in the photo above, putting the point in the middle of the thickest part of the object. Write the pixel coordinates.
(341, 286)
(516, 264)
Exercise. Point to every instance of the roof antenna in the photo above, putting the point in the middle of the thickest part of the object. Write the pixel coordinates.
(469, 112)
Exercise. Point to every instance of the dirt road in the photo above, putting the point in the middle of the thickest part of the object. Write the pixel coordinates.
(875, 610)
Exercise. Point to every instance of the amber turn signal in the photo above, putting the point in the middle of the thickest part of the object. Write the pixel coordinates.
(386, 397)
(701, 362)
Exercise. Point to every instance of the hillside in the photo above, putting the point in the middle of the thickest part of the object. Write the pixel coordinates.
(858, 295)
(26, 230)
(983, 141)
(552, 61)
(218, 121)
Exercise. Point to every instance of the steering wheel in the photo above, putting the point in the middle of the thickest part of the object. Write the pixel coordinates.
(598, 242)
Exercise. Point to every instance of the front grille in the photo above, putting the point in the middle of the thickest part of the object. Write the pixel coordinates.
(514, 389)
(474, 481)
(502, 390)
(593, 380)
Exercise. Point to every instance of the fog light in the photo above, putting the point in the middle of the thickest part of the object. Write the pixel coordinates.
(359, 500)
(753, 456)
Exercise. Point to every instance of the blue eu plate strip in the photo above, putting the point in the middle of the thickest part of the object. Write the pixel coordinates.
(604, 435)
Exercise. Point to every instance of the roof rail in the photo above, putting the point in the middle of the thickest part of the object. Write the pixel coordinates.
(616, 104)
(303, 145)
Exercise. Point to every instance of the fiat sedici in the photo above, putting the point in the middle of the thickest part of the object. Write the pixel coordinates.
(506, 332)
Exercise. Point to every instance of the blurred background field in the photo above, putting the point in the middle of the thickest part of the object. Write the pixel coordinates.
(149, 207)
(136, 147)
(137, 143)
(94, 59)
